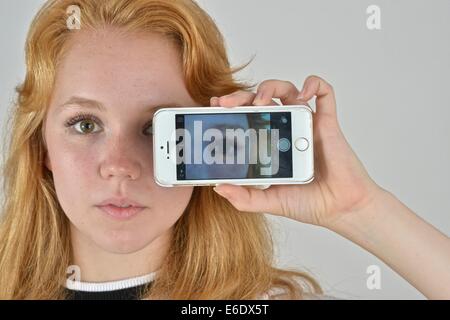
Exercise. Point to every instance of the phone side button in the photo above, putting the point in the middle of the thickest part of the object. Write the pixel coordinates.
(301, 144)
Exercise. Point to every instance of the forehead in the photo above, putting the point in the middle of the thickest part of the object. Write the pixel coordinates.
(116, 64)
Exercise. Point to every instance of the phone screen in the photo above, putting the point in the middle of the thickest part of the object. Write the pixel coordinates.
(233, 145)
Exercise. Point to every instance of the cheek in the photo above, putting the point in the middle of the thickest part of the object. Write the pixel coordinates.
(74, 171)
(170, 202)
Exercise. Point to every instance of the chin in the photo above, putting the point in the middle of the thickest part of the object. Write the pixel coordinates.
(124, 242)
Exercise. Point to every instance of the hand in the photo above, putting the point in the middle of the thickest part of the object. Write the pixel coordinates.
(341, 184)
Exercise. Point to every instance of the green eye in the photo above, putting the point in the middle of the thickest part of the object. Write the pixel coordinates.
(86, 126)
(83, 123)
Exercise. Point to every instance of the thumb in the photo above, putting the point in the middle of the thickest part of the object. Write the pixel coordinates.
(246, 198)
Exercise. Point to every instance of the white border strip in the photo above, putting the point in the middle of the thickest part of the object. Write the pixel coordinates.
(110, 285)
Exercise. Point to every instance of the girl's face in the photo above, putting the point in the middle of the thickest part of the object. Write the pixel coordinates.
(107, 151)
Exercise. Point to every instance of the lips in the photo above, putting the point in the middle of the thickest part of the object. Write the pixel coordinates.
(121, 202)
(120, 208)
(120, 213)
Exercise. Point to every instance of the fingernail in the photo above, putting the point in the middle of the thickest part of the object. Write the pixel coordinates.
(221, 192)
(258, 98)
(301, 95)
(213, 100)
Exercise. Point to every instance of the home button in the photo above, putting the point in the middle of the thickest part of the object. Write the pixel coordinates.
(301, 144)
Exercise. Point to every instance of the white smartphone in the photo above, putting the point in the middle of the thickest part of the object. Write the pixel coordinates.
(244, 145)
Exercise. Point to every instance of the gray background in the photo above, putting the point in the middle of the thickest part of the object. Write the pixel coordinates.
(392, 90)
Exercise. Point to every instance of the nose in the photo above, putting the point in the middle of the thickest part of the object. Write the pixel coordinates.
(120, 161)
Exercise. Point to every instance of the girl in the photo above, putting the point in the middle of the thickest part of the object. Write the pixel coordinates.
(81, 138)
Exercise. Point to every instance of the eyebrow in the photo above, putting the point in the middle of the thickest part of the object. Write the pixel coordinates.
(94, 104)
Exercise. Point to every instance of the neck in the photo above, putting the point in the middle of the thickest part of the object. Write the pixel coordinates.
(99, 265)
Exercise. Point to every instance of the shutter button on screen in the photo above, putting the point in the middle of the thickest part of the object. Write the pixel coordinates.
(301, 144)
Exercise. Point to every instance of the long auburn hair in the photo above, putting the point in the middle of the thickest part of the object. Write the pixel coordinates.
(216, 251)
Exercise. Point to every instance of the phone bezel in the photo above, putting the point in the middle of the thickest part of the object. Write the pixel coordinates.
(165, 169)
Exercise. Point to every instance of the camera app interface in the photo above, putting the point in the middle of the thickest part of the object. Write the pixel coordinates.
(233, 145)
